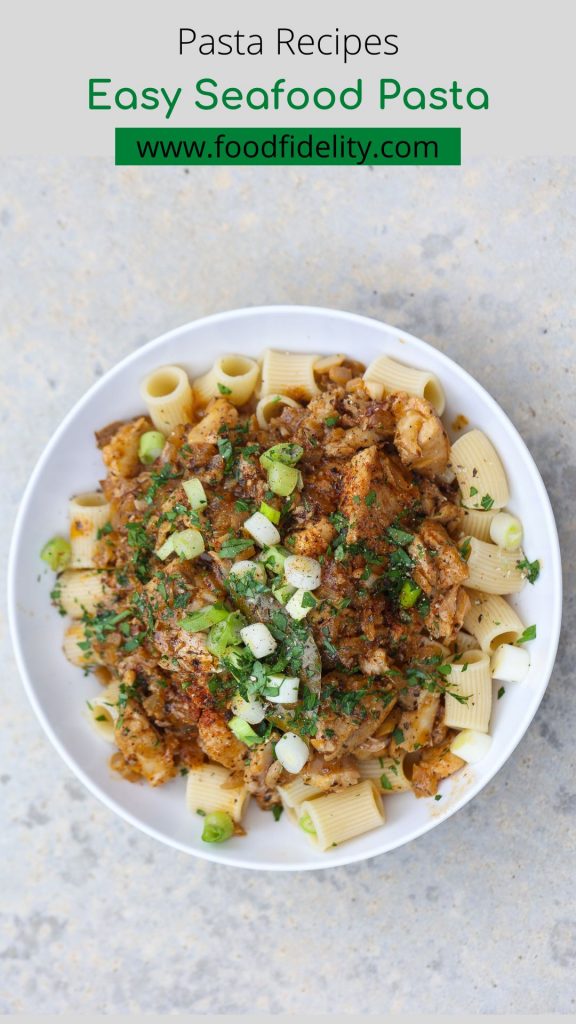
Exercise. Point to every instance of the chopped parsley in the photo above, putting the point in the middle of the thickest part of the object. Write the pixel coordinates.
(501, 692)
(227, 452)
(233, 546)
(331, 421)
(142, 547)
(531, 570)
(223, 389)
(400, 537)
(370, 498)
(158, 479)
(528, 634)
(246, 585)
(487, 502)
(473, 491)
(464, 549)
(430, 674)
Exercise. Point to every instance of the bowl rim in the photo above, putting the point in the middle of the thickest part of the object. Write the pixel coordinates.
(210, 854)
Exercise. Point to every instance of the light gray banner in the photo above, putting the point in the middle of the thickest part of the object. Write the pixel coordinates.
(519, 51)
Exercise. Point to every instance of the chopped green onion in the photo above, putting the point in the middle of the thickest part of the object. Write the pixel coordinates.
(307, 825)
(204, 618)
(409, 594)
(299, 605)
(150, 446)
(167, 548)
(56, 553)
(262, 530)
(284, 593)
(274, 559)
(225, 634)
(287, 454)
(188, 543)
(195, 493)
(244, 732)
(506, 531)
(218, 827)
(270, 512)
(282, 479)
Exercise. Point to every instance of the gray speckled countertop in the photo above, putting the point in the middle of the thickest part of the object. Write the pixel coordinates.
(479, 914)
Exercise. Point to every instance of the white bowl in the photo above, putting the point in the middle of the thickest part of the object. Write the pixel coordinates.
(71, 463)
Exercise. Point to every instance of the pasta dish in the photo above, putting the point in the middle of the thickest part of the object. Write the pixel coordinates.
(292, 587)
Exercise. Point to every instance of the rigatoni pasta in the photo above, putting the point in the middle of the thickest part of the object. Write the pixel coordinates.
(168, 397)
(285, 373)
(332, 819)
(493, 621)
(387, 773)
(105, 712)
(296, 791)
(272, 405)
(469, 692)
(77, 648)
(494, 570)
(477, 522)
(209, 788)
(394, 376)
(88, 513)
(465, 641)
(232, 375)
(81, 591)
(479, 471)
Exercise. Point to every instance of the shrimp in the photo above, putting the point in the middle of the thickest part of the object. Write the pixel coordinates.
(420, 438)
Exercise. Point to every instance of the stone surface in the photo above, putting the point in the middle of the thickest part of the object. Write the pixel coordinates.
(477, 915)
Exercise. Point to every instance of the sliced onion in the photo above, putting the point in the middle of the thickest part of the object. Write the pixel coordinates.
(302, 572)
(470, 745)
(510, 663)
(262, 530)
(259, 639)
(292, 752)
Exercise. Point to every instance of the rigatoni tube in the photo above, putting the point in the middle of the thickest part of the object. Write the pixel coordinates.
(492, 569)
(492, 621)
(469, 692)
(394, 376)
(168, 397)
(339, 816)
(210, 787)
(479, 471)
